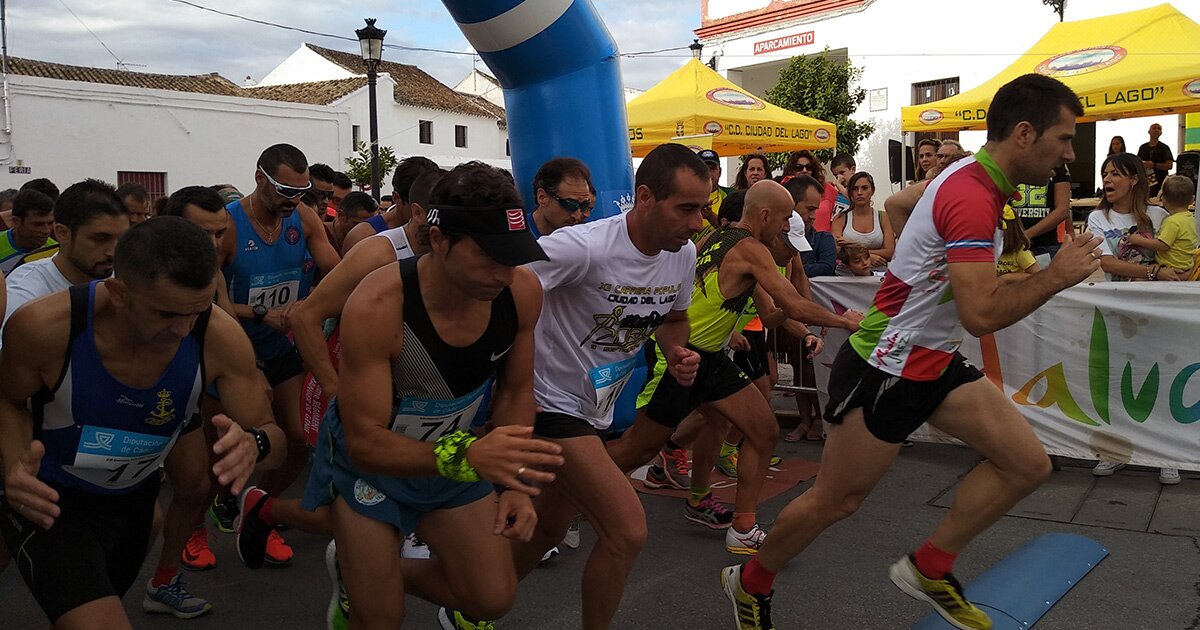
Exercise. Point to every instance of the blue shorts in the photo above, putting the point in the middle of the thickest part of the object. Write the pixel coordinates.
(400, 501)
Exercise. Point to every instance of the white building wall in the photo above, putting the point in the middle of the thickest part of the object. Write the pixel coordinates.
(399, 128)
(67, 131)
(304, 66)
(480, 84)
(898, 44)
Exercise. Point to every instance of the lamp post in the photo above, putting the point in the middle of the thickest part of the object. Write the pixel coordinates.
(370, 39)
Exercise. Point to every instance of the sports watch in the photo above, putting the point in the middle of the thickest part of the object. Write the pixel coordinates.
(261, 441)
(260, 313)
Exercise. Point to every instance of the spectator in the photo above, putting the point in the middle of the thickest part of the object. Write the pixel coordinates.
(355, 208)
(713, 161)
(563, 192)
(822, 260)
(1156, 159)
(33, 225)
(807, 163)
(864, 225)
(42, 185)
(1123, 209)
(88, 220)
(856, 260)
(926, 157)
(946, 152)
(136, 200)
(1043, 209)
(900, 205)
(754, 169)
(1175, 243)
(1117, 145)
(843, 167)
(1015, 257)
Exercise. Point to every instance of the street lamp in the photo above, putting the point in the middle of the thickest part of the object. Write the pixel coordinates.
(371, 41)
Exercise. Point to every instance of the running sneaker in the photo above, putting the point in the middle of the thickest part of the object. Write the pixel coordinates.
(945, 595)
(1105, 469)
(750, 612)
(744, 543)
(414, 547)
(224, 512)
(710, 513)
(173, 598)
(1169, 476)
(549, 555)
(278, 551)
(671, 469)
(197, 556)
(775, 461)
(454, 620)
(571, 540)
(337, 616)
(252, 532)
(727, 464)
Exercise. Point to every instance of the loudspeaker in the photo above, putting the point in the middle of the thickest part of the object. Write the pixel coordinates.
(899, 156)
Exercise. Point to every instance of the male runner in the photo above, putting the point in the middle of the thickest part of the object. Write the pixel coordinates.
(399, 214)
(393, 454)
(267, 258)
(33, 227)
(101, 381)
(732, 263)
(902, 367)
(608, 286)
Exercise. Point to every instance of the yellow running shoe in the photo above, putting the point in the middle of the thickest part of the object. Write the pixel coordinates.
(750, 612)
(946, 595)
(727, 464)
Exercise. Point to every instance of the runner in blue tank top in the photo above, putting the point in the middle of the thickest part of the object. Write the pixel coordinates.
(101, 382)
(403, 178)
(268, 258)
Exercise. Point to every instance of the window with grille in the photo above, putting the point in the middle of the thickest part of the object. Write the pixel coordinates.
(930, 91)
(460, 136)
(426, 131)
(154, 183)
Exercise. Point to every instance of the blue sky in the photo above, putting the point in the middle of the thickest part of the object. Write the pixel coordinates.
(168, 37)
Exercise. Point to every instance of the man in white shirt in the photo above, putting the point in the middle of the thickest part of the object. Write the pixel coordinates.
(88, 220)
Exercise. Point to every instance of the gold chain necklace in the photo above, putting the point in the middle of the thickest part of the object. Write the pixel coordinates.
(270, 234)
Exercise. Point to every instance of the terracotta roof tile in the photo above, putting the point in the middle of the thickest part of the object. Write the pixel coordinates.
(414, 86)
(314, 93)
(200, 83)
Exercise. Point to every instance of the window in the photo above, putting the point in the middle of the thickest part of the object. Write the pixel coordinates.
(930, 91)
(426, 132)
(355, 136)
(155, 183)
(460, 136)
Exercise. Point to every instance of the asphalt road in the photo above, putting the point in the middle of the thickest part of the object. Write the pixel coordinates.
(1150, 581)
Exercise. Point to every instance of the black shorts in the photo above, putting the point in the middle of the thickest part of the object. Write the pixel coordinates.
(282, 367)
(893, 407)
(667, 402)
(95, 548)
(559, 426)
(754, 362)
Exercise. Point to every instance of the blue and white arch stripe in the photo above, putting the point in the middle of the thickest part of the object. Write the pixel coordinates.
(559, 68)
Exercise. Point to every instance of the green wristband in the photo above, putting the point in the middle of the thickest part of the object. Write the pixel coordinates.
(450, 451)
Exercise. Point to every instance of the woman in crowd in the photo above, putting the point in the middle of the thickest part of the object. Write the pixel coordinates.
(1116, 145)
(805, 163)
(863, 224)
(754, 169)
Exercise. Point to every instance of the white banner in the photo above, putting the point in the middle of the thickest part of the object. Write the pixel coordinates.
(1106, 370)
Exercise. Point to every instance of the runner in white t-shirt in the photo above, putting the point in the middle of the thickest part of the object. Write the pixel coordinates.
(608, 286)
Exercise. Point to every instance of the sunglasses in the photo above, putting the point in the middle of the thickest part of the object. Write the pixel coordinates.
(571, 205)
(804, 166)
(323, 195)
(287, 192)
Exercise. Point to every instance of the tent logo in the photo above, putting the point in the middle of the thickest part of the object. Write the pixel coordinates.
(822, 135)
(713, 127)
(1081, 61)
(931, 117)
(734, 98)
(1192, 88)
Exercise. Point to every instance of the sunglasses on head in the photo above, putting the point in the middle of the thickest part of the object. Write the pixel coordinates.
(287, 192)
(571, 205)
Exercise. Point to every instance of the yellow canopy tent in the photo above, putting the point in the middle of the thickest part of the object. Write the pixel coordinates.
(695, 100)
(1139, 63)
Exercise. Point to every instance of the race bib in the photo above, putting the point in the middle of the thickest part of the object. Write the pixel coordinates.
(428, 420)
(608, 381)
(115, 459)
(275, 289)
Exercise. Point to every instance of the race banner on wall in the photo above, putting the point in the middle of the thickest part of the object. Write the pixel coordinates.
(1102, 370)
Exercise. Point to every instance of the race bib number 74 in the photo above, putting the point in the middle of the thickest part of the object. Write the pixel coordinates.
(427, 420)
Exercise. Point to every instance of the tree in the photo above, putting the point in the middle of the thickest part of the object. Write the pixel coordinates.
(822, 88)
(358, 167)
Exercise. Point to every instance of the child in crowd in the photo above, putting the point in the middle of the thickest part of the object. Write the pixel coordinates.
(1175, 243)
(854, 259)
(1015, 257)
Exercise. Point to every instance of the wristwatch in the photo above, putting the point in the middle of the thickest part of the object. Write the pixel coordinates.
(260, 313)
(261, 441)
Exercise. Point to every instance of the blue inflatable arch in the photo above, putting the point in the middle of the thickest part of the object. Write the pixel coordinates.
(561, 76)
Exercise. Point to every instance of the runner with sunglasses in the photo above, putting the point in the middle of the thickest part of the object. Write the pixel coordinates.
(268, 258)
(564, 193)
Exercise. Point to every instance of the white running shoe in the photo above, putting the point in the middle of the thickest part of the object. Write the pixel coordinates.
(744, 543)
(1169, 476)
(571, 540)
(414, 547)
(1105, 469)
